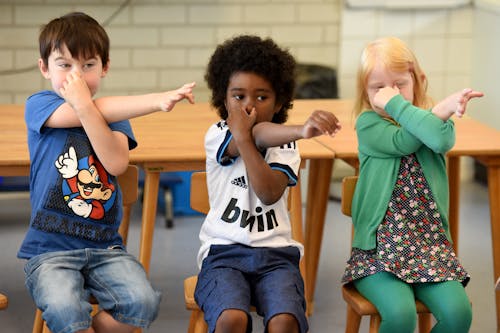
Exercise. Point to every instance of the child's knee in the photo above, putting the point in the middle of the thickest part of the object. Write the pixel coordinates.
(143, 303)
(284, 322)
(398, 319)
(232, 320)
(455, 318)
(67, 313)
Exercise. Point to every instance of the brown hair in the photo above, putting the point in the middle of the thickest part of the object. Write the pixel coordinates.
(83, 36)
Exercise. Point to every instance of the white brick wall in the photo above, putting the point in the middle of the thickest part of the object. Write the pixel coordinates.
(160, 44)
(485, 68)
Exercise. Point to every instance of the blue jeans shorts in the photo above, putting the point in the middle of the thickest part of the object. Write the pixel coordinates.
(61, 282)
(238, 276)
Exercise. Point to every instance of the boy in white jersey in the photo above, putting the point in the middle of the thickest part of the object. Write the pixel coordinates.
(247, 255)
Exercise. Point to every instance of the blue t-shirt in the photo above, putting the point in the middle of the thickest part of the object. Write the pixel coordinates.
(75, 203)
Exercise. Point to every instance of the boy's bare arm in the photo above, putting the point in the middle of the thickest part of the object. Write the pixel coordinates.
(267, 183)
(320, 122)
(117, 108)
(249, 140)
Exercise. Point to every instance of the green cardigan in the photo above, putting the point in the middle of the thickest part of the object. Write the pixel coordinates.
(382, 143)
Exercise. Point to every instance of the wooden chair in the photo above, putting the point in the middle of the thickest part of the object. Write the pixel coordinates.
(199, 202)
(129, 185)
(4, 302)
(357, 305)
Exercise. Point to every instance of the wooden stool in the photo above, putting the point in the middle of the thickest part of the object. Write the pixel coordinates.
(4, 302)
(197, 323)
(358, 306)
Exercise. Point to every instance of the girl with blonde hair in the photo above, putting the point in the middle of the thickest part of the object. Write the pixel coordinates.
(402, 248)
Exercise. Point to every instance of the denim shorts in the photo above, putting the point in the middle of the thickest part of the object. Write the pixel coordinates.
(238, 276)
(61, 282)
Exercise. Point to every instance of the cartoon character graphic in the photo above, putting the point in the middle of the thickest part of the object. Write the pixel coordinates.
(86, 187)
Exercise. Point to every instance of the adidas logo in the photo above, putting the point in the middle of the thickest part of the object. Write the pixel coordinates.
(240, 181)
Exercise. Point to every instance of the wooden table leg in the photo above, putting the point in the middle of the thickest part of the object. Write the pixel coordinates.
(493, 165)
(494, 194)
(454, 184)
(151, 185)
(296, 219)
(320, 173)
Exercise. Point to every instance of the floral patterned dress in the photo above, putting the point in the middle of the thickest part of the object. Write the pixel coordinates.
(411, 242)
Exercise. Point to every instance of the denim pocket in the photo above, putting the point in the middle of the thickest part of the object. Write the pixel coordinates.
(204, 289)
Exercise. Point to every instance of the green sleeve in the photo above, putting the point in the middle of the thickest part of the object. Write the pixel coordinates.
(379, 137)
(436, 134)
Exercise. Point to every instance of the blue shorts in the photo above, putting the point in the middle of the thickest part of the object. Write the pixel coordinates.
(60, 284)
(238, 276)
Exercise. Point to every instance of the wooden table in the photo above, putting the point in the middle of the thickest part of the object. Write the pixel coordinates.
(14, 156)
(473, 139)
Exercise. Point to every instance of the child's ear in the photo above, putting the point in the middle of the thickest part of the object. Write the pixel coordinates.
(43, 69)
(277, 108)
(105, 69)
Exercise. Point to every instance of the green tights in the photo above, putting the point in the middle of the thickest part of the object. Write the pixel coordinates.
(395, 301)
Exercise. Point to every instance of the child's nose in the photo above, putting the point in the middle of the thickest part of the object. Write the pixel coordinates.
(249, 105)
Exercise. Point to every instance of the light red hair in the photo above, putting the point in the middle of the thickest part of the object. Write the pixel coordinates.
(395, 56)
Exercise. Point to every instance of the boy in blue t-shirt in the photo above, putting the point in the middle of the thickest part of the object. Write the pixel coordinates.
(77, 148)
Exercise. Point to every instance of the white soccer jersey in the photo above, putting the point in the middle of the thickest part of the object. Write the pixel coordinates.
(236, 215)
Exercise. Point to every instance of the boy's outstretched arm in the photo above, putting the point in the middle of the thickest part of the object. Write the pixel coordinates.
(117, 108)
(249, 140)
(320, 122)
(455, 103)
(139, 105)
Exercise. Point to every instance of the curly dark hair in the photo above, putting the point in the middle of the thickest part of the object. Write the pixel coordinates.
(252, 54)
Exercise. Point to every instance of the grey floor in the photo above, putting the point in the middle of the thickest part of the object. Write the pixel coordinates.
(174, 259)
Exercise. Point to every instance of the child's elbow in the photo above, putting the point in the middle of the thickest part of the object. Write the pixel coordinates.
(269, 201)
(121, 169)
(442, 146)
(441, 151)
(269, 198)
(271, 190)
(116, 168)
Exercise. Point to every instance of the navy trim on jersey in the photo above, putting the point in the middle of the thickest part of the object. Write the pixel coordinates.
(287, 171)
(290, 145)
(221, 158)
